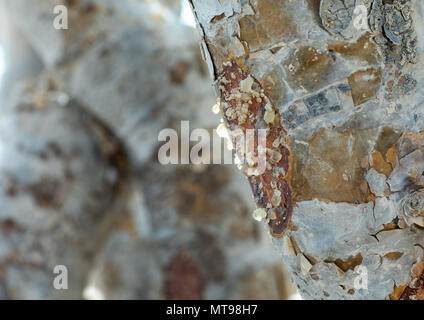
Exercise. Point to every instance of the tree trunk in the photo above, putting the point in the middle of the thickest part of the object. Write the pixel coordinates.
(342, 105)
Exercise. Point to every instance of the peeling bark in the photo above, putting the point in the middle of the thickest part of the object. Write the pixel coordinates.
(349, 105)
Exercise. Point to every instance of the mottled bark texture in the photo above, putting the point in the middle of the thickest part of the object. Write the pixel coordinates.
(80, 183)
(344, 112)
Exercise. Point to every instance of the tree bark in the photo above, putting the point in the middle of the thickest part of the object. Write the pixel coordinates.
(343, 189)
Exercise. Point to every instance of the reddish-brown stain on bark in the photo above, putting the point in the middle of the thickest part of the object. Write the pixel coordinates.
(415, 289)
(184, 279)
(277, 171)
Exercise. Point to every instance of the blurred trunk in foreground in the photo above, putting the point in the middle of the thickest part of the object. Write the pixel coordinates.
(80, 182)
(342, 102)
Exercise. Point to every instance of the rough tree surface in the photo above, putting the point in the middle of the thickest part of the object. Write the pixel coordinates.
(345, 118)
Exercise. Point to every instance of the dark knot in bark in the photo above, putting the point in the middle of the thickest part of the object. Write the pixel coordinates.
(413, 204)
